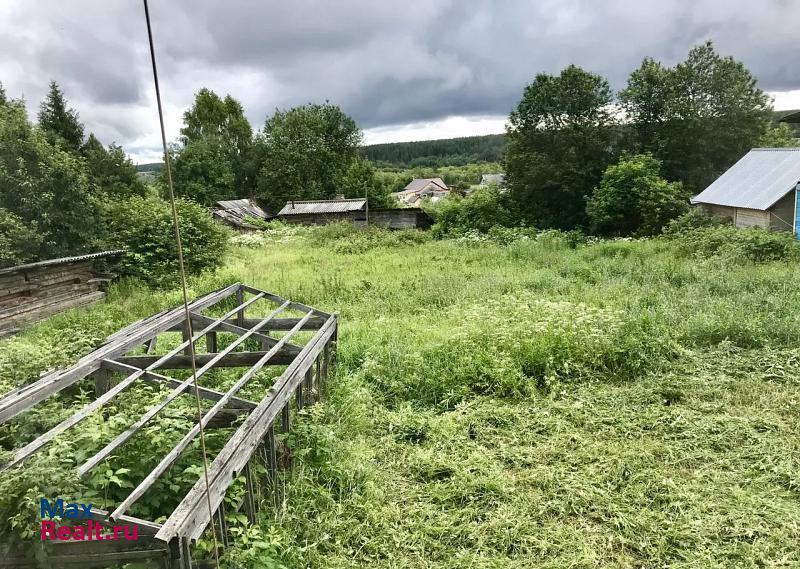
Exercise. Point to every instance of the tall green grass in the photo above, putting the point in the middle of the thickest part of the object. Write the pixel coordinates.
(514, 403)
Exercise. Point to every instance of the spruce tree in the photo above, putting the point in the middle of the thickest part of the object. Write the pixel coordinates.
(60, 123)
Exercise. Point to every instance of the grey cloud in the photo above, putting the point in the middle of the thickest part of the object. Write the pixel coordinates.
(383, 62)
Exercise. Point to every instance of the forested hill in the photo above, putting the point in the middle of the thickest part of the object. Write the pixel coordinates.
(150, 167)
(443, 152)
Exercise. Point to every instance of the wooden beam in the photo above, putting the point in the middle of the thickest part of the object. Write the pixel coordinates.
(30, 395)
(175, 453)
(277, 325)
(191, 517)
(279, 299)
(238, 330)
(120, 439)
(205, 392)
(235, 359)
(87, 410)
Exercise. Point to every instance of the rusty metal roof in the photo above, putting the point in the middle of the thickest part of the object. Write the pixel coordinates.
(758, 180)
(61, 261)
(322, 206)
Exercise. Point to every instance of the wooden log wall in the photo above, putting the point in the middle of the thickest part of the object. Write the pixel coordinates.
(395, 218)
(36, 293)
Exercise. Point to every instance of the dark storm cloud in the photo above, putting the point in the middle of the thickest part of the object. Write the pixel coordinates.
(383, 62)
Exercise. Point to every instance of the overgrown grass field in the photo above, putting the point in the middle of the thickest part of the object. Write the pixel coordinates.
(530, 403)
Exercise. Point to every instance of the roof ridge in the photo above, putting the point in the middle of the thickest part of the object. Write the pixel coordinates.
(316, 201)
(767, 149)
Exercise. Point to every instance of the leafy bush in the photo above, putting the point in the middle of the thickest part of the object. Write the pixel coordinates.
(738, 244)
(695, 218)
(633, 199)
(480, 211)
(19, 242)
(144, 227)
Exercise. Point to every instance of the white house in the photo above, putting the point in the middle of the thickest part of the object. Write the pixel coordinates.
(422, 188)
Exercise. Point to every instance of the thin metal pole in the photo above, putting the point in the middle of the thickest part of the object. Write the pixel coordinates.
(181, 267)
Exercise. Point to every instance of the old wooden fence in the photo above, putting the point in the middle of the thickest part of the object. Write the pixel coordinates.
(170, 543)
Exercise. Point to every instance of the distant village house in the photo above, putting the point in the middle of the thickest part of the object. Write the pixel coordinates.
(758, 191)
(493, 179)
(419, 189)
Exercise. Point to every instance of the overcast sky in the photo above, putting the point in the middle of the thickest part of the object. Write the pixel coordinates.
(405, 70)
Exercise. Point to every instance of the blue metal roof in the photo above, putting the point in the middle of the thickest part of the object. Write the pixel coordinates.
(757, 181)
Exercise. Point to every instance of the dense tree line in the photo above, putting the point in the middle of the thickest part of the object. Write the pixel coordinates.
(53, 180)
(575, 154)
(672, 130)
(64, 193)
(306, 152)
(437, 153)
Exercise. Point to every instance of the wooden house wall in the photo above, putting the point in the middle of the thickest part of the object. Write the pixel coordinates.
(781, 215)
(36, 293)
(746, 217)
(391, 218)
(397, 218)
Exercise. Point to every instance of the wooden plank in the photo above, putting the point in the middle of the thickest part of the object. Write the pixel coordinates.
(205, 392)
(240, 301)
(277, 325)
(233, 328)
(283, 324)
(38, 308)
(53, 382)
(190, 518)
(120, 439)
(278, 299)
(102, 381)
(87, 410)
(235, 359)
(175, 453)
(211, 342)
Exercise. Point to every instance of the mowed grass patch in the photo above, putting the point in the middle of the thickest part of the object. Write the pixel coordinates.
(693, 468)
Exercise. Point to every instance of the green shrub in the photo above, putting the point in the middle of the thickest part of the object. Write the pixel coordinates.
(738, 244)
(143, 226)
(695, 218)
(633, 199)
(324, 234)
(481, 211)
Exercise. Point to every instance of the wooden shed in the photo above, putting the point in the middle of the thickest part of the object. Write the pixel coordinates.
(238, 214)
(758, 191)
(33, 292)
(321, 212)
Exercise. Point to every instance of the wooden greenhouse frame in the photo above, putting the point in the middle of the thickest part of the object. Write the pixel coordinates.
(169, 543)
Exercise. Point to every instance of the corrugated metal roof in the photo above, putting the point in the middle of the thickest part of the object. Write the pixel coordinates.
(757, 181)
(421, 183)
(322, 206)
(61, 261)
